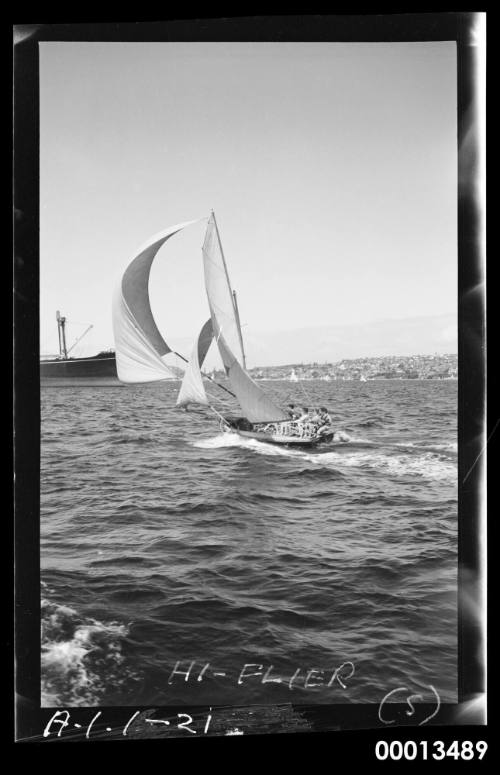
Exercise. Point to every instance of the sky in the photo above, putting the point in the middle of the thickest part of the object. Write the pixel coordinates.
(331, 167)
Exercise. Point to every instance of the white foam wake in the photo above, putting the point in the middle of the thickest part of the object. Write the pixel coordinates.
(429, 465)
(223, 440)
(450, 446)
(79, 657)
(235, 440)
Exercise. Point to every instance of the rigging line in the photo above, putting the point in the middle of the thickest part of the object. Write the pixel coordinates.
(216, 396)
(219, 415)
(80, 338)
(308, 397)
(207, 376)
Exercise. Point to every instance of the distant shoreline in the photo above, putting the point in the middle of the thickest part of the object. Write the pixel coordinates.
(352, 379)
(409, 367)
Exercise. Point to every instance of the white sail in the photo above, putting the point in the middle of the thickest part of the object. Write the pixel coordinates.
(192, 389)
(142, 355)
(256, 406)
(220, 296)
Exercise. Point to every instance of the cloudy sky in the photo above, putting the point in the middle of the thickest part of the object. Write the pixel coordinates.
(331, 168)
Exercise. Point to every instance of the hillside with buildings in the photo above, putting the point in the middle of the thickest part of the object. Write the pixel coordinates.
(389, 367)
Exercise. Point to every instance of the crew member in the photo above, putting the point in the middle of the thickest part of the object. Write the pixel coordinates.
(315, 417)
(324, 417)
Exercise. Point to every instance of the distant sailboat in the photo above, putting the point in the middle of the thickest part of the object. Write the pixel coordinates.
(142, 354)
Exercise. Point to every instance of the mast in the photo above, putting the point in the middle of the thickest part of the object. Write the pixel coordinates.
(239, 329)
(63, 332)
(61, 322)
(58, 317)
(233, 293)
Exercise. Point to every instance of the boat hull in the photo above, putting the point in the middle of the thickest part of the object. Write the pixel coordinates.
(100, 371)
(242, 427)
(287, 441)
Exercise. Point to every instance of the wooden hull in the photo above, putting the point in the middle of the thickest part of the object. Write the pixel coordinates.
(287, 441)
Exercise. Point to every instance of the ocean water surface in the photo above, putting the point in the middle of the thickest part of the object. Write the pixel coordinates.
(166, 543)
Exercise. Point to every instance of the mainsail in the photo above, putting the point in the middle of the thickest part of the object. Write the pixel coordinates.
(256, 406)
(142, 355)
(192, 389)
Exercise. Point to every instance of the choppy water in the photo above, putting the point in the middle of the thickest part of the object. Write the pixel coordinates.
(163, 541)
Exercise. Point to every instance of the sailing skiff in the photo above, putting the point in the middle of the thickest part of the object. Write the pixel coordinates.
(143, 355)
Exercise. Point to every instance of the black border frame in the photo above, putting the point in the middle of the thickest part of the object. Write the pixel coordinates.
(30, 718)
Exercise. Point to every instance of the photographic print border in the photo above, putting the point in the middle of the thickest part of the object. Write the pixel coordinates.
(31, 720)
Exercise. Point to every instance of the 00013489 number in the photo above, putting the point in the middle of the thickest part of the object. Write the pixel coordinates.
(410, 750)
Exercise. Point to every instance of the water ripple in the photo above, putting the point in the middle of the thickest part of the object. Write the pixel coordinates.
(164, 540)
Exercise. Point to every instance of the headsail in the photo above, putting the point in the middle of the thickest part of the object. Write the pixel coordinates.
(254, 402)
(192, 389)
(142, 355)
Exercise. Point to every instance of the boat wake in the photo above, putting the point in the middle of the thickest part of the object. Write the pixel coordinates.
(418, 461)
(450, 446)
(79, 656)
(428, 465)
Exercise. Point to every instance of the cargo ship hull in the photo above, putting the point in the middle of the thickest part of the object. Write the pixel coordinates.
(72, 372)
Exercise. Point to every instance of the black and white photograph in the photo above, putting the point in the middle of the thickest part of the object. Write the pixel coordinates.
(249, 372)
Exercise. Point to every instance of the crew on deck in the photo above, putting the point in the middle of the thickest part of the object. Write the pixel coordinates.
(324, 416)
(307, 423)
(325, 420)
(313, 421)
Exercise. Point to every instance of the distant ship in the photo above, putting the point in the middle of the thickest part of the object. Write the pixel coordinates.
(293, 376)
(65, 371)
